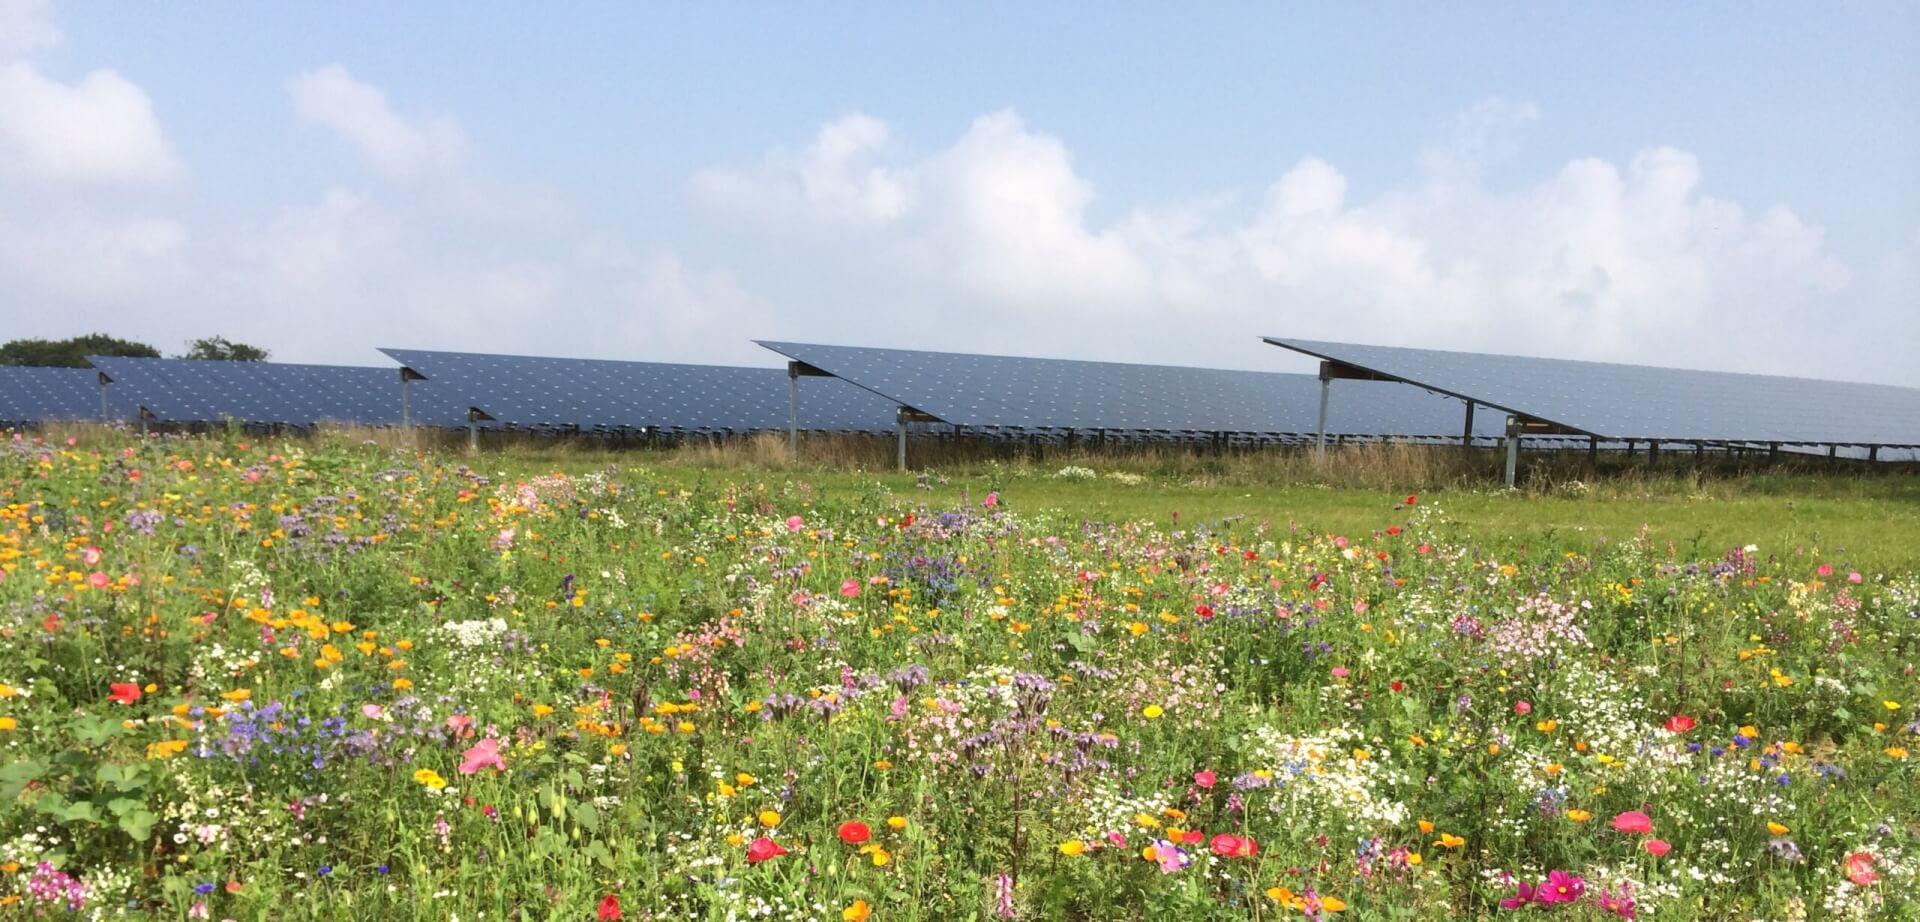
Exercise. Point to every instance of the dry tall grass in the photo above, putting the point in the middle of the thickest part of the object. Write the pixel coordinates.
(1382, 464)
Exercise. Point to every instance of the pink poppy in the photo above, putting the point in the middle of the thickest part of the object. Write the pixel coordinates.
(99, 580)
(483, 754)
(1859, 867)
(762, 849)
(1633, 822)
(1522, 708)
(795, 523)
(1339, 672)
(90, 556)
(1231, 846)
(1823, 570)
(993, 499)
(1854, 577)
(850, 588)
(1680, 724)
(1657, 847)
(461, 725)
(1204, 779)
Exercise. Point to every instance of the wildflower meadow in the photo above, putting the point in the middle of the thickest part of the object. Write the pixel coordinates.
(276, 680)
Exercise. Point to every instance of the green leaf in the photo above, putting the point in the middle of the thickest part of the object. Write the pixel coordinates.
(586, 816)
(139, 824)
(597, 850)
(15, 776)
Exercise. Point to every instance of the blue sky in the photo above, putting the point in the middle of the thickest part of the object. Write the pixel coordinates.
(1718, 185)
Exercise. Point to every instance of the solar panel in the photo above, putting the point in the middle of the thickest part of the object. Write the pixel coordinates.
(1638, 401)
(1011, 392)
(538, 391)
(37, 395)
(193, 391)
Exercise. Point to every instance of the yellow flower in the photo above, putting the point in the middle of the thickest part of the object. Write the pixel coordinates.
(896, 823)
(166, 749)
(542, 710)
(1777, 828)
(8, 723)
(769, 818)
(1426, 827)
(1750, 732)
(1138, 627)
(1578, 815)
(857, 912)
(1547, 726)
(1152, 711)
(1413, 858)
(238, 694)
(1072, 848)
(1332, 903)
(1449, 840)
(1897, 752)
(430, 778)
(1890, 705)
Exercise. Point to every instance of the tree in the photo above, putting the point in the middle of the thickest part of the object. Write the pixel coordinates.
(71, 353)
(219, 349)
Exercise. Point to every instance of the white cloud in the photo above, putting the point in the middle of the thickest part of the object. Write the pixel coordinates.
(89, 263)
(834, 178)
(359, 113)
(26, 26)
(100, 130)
(1595, 260)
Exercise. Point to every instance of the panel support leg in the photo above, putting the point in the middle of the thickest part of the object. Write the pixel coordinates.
(1513, 454)
(900, 438)
(793, 410)
(1466, 433)
(1320, 437)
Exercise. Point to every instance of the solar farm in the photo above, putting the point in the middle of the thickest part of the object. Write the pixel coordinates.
(556, 638)
(1411, 396)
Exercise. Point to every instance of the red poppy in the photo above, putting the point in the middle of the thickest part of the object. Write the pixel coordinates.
(1231, 846)
(1398, 686)
(1680, 724)
(1204, 611)
(854, 832)
(1413, 500)
(763, 848)
(1656, 847)
(1192, 837)
(1393, 529)
(1205, 779)
(609, 907)
(1859, 867)
(1633, 822)
(124, 693)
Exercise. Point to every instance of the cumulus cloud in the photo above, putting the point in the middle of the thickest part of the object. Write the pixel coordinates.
(1597, 259)
(358, 112)
(26, 26)
(99, 130)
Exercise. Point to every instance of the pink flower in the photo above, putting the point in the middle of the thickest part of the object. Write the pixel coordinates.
(1656, 847)
(1527, 893)
(795, 523)
(1339, 672)
(373, 712)
(1823, 570)
(1679, 723)
(460, 725)
(1204, 779)
(90, 556)
(993, 499)
(1633, 822)
(1522, 708)
(1560, 887)
(1859, 868)
(1854, 577)
(1232, 846)
(483, 754)
(850, 588)
(99, 580)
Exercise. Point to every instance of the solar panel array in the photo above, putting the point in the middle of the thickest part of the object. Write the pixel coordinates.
(597, 394)
(35, 395)
(1643, 402)
(1034, 393)
(192, 391)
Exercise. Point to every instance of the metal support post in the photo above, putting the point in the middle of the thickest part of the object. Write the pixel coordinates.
(406, 420)
(1873, 453)
(900, 431)
(1320, 437)
(1513, 452)
(103, 399)
(1593, 449)
(793, 409)
(1466, 433)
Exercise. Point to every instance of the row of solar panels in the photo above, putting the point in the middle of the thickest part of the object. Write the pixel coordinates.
(1392, 392)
